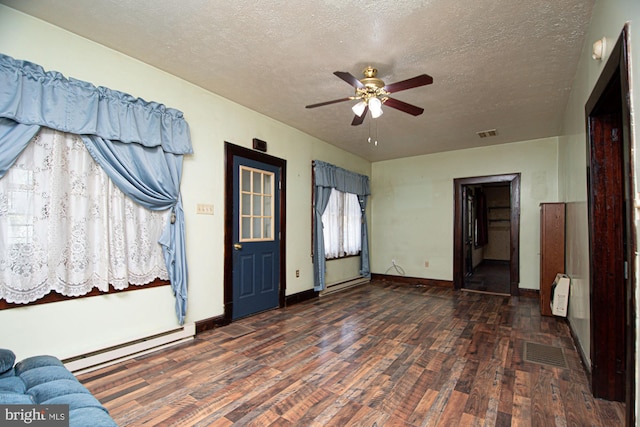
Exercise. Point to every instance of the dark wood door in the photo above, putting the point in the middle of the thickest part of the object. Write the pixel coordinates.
(610, 239)
(607, 256)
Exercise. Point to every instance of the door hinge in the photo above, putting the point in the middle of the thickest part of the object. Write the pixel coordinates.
(615, 132)
(626, 270)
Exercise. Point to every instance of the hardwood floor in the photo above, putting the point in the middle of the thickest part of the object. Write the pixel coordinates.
(377, 355)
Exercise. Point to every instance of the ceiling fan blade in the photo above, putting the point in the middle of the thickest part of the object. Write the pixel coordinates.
(357, 120)
(349, 78)
(403, 106)
(335, 101)
(416, 81)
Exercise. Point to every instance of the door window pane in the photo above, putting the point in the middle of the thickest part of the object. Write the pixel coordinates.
(245, 226)
(267, 228)
(257, 182)
(257, 228)
(245, 181)
(246, 204)
(257, 205)
(267, 184)
(267, 203)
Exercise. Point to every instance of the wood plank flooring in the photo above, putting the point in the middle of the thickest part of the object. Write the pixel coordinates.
(382, 354)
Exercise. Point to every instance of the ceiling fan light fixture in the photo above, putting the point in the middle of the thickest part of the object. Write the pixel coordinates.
(371, 92)
(375, 105)
(358, 109)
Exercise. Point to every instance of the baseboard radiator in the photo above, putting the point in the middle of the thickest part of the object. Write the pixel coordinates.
(119, 353)
(346, 284)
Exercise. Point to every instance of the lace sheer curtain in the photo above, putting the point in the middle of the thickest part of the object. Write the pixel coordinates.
(331, 224)
(65, 226)
(342, 223)
(352, 230)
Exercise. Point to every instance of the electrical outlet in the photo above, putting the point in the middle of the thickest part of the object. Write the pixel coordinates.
(204, 209)
(297, 273)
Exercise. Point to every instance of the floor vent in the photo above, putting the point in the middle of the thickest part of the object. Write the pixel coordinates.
(236, 331)
(544, 355)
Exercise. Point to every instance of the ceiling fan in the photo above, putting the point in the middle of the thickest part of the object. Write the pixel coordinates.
(373, 92)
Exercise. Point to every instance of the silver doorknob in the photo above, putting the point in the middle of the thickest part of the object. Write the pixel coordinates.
(237, 246)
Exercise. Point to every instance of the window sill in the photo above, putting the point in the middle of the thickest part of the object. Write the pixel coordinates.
(343, 257)
(53, 296)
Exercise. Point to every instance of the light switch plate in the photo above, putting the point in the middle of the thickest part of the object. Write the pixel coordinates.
(204, 209)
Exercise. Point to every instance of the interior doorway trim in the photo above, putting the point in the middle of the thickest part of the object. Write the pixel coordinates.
(513, 180)
(231, 151)
(613, 337)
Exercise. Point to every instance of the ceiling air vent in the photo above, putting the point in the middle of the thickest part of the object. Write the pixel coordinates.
(487, 133)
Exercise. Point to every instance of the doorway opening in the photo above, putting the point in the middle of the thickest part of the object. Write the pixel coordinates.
(487, 234)
(612, 239)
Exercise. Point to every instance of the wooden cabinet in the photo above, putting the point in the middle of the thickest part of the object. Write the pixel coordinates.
(552, 243)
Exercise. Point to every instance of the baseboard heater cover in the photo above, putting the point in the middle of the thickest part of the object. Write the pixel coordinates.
(111, 355)
(335, 287)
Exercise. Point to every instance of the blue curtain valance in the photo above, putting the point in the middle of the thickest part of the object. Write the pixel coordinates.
(29, 95)
(331, 176)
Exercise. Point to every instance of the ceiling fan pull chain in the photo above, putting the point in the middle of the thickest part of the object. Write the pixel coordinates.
(375, 134)
(375, 143)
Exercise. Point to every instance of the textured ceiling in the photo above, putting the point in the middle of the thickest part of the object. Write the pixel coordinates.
(499, 64)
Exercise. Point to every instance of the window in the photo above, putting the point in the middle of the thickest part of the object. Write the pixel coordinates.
(65, 227)
(342, 221)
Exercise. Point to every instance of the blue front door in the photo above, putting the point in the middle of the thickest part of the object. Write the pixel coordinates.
(256, 237)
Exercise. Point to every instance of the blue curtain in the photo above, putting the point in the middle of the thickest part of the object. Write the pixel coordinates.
(14, 138)
(140, 144)
(321, 201)
(365, 270)
(328, 176)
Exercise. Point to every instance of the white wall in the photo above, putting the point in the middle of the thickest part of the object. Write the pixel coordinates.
(78, 326)
(412, 204)
(608, 19)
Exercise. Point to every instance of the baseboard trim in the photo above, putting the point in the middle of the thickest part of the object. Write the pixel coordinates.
(412, 280)
(210, 323)
(218, 321)
(529, 293)
(300, 297)
(583, 357)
